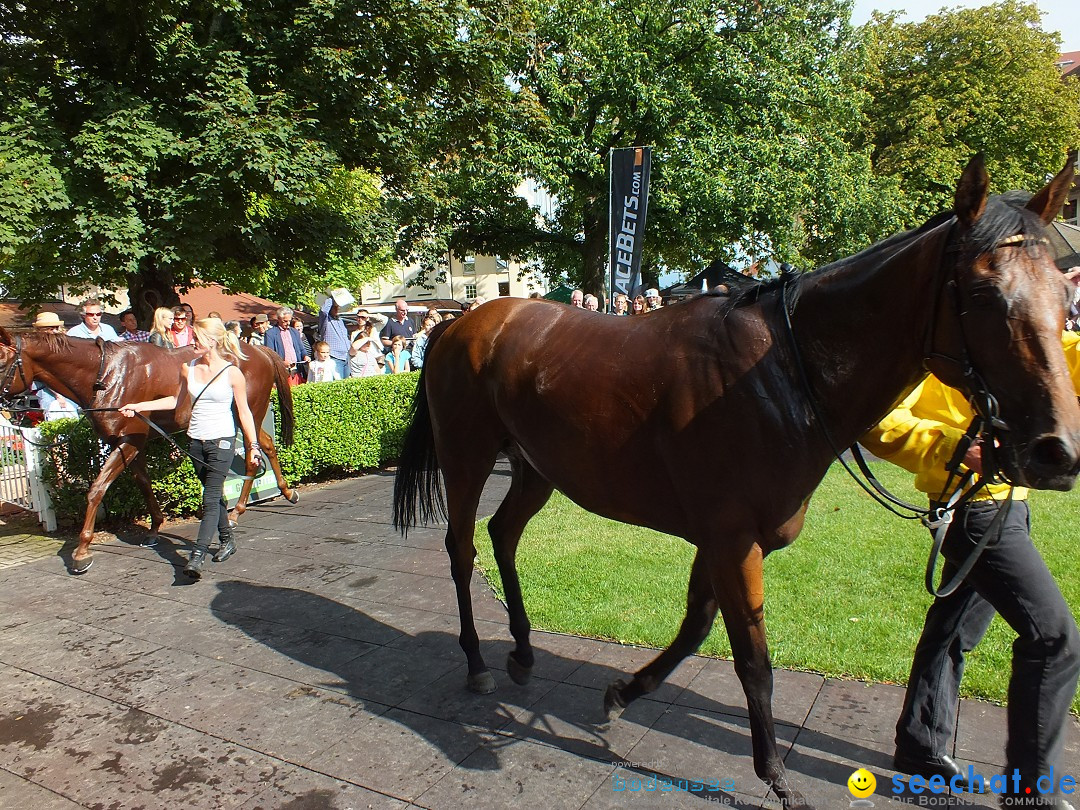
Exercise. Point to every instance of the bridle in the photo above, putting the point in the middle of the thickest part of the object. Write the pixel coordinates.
(982, 401)
(985, 428)
(16, 402)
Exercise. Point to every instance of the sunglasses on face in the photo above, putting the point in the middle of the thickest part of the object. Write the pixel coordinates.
(92, 314)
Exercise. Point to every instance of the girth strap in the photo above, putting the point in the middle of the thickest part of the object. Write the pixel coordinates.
(99, 383)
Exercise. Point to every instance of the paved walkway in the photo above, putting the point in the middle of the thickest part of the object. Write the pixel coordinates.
(319, 668)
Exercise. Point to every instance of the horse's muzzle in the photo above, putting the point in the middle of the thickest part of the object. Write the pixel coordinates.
(1049, 462)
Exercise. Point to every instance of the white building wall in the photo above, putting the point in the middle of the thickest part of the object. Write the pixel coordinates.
(468, 277)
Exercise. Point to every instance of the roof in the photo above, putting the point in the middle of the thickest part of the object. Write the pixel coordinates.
(560, 293)
(14, 316)
(209, 298)
(714, 275)
(1069, 63)
(234, 306)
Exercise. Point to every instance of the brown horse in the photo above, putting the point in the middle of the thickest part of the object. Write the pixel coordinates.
(134, 372)
(695, 420)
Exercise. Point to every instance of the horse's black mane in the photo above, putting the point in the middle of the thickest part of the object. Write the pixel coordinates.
(1005, 216)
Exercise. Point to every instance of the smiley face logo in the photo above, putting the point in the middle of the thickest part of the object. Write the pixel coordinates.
(861, 783)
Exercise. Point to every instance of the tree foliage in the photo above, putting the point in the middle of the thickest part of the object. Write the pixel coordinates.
(155, 144)
(961, 82)
(750, 111)
(283, 147)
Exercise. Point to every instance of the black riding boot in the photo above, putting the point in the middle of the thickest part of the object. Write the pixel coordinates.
(226, 546)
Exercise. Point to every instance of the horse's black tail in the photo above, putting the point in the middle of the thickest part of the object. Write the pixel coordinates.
(418, 491)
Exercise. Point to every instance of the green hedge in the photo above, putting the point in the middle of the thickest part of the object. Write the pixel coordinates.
(341, 426)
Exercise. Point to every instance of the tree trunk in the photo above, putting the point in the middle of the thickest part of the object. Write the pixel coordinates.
(595, 259)
(151, 287)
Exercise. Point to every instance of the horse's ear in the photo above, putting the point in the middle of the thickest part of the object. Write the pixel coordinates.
(971, 191)
(1048, 202)
(5, 337)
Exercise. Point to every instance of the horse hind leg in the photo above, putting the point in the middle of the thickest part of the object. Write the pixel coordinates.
(464, 486)
(266, 442)
(701, 607)
(137, 465)
(527, 496)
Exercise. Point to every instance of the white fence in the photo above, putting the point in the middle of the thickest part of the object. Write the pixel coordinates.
(21, 458)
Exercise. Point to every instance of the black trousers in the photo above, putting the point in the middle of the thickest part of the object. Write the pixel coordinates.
(1009, 578)
(213, 458)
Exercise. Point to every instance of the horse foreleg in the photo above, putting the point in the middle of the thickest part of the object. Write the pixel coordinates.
(118, 459)
(701, 607)
(527, 496)
(740, 590)
(142, 479)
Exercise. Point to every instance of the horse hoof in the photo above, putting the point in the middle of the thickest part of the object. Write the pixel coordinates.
(80, 566)
(294, 497)
(482, 683)
(613, 702)
(519, 673)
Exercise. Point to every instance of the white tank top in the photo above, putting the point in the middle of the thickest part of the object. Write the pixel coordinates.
(212, 416)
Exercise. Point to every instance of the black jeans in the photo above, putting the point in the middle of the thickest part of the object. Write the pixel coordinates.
(1009, 578)
(213, 458)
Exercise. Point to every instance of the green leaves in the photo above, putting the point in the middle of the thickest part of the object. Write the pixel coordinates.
(961, 82)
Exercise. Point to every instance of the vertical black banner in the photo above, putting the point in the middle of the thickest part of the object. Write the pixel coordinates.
(629, 200)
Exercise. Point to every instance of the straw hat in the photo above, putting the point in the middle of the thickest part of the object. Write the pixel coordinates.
(46, 319)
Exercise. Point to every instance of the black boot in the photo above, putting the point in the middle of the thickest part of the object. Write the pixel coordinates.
(195, 564)
(226, 547)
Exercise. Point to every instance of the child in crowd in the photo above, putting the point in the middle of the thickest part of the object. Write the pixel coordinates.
(397, 359)
(322, 368)
(365, 354)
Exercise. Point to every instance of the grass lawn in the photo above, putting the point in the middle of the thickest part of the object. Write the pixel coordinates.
(846, 599)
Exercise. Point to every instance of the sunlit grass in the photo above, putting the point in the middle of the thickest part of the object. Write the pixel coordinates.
(847, 599)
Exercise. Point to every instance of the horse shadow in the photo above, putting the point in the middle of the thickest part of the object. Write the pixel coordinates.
(572, 721)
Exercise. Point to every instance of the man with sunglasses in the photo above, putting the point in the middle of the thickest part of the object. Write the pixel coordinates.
(91, 327)
(181, 331)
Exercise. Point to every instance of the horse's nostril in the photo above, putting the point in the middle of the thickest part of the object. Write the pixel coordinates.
(1051, 454)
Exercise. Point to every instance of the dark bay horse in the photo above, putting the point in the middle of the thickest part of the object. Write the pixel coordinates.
(695, 421)
(134, 372)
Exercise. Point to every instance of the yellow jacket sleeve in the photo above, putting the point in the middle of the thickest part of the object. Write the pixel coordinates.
(913, 436)
(1070, 342)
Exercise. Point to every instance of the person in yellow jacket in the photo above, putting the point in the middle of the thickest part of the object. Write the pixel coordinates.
(921, 435)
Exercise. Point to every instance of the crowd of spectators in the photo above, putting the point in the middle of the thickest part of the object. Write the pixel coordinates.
(332, 350)
(622, 304)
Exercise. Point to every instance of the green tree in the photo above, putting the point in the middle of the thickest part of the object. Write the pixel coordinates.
(155, 144)
(750, 110)
(961, 82)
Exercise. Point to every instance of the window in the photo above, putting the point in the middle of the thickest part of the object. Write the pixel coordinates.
(504, 289)
(502, 265)
(468, 265)
(470, 291)
(1070, 211)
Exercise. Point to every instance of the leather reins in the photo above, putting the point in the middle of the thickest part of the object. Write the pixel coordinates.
(985, 427)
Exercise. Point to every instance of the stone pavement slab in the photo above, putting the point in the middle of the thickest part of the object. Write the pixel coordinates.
(320, 668)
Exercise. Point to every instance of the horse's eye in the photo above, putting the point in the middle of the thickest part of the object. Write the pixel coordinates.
(984, 295)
